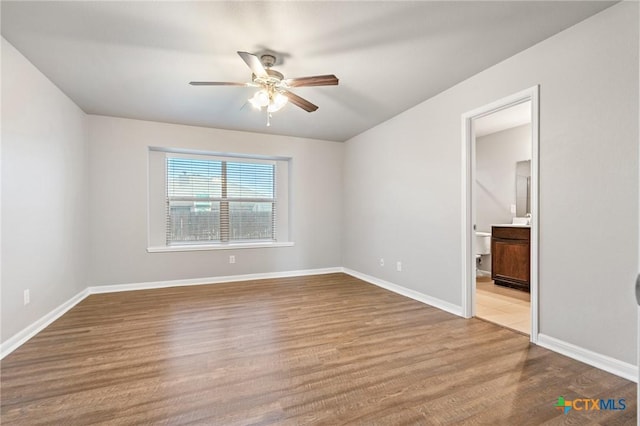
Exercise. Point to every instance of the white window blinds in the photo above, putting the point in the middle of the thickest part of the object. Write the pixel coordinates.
(212, 200)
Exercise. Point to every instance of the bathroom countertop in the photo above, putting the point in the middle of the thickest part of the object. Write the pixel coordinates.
(512, 225)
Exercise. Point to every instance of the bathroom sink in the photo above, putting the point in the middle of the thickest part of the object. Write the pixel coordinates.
(521, 221)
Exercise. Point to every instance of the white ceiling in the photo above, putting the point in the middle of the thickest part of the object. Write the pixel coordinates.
(134, 59)
(503, 119)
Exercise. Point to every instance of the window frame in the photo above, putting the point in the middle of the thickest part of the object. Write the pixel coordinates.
(157, 184)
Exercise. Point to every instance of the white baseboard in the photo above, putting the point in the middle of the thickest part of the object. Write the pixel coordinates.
(603, 362)
(412, 294)
(483, 273)
(18, 339)
(210, 280)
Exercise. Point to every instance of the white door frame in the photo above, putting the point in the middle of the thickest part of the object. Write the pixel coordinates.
(469, 207)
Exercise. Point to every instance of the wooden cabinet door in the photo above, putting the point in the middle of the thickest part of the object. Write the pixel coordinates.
(511, 260)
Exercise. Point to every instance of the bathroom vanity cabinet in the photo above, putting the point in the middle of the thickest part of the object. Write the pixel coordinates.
(510, 256)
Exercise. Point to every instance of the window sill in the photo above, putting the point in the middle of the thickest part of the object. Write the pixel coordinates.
(230, 246)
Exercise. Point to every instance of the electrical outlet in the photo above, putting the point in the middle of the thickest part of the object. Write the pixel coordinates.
(398, 266)
(381, 262)
(27, 297)
(232, 259)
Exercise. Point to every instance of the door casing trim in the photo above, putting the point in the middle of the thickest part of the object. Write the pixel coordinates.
(468, 200)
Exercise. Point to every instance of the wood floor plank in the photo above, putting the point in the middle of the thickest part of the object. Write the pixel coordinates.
(326, 349)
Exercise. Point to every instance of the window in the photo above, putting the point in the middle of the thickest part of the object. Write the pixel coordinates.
(216, 201)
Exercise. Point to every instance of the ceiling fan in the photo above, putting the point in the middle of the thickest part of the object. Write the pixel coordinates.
(274, 88)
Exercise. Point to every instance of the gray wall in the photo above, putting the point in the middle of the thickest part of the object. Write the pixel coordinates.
(74, 199)
(496, 158)
(44, 194)
(403, 190)
(118, 203)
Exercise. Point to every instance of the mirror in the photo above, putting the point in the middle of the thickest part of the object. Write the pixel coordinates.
(523, 188)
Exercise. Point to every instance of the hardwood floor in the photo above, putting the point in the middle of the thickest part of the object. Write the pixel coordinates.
(325, 349)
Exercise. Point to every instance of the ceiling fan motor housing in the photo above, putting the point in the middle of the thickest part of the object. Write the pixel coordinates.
(274, 77)
(268, 60)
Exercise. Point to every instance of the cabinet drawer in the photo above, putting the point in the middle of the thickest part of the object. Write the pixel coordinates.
(510, 233)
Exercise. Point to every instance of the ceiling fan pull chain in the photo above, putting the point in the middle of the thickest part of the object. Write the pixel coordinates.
(268, 119)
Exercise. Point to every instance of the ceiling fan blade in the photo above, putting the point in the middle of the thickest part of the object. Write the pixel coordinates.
(316, 80)
(254, 63)
(298, 101)
(215, 83)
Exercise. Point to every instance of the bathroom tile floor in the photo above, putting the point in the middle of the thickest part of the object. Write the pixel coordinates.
(504, 306)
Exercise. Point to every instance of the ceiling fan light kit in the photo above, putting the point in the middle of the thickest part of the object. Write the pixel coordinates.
(277, 102)
(273, 93)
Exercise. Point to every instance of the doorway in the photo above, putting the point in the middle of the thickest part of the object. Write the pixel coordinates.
(521, 222)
